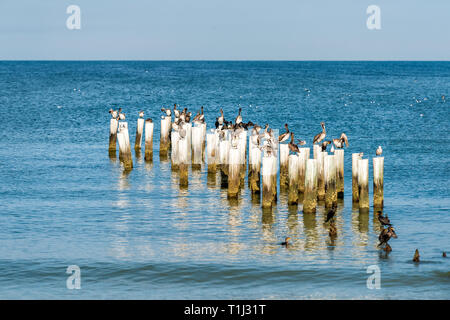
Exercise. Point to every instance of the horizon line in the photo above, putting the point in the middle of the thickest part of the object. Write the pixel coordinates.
(219, 60)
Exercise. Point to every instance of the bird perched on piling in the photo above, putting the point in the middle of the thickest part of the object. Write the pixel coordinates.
(292, 146)
(168, 112)
(286, 242)
(325, 144)
(239, 117)
(301, 142)
(331, 212)
(285, 136)
(379, 151)
(343, 140)
(176, 112)
(384, 220)
(320, 136)
(121, 115)
(386, 235)
(416, 257)
(141, 114)
(113, 113)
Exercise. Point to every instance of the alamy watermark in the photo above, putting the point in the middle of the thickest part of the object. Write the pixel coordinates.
(73, 22)
(374, 280)
(374, 20)
(74, 280)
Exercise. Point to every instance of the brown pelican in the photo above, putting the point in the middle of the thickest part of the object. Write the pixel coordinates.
(175, 111)
(286, 242)
(141, 114)
(239, 117)
(221, 119)
(166, 111)
(379, 151)
(339, 143)
(292, 146)
(188, 117)
(285, 136)
(416, 257)
(320, 136)
(325, 144)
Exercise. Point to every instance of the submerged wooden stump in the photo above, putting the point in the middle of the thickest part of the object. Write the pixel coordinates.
(113, 125)
(164, 142)
(378, 180)
(211, 151)
(284, 164)
(255, 169)
(310, 196)
(363, 184)
(183, 161)
(267, 181)
(320, 175)
(197, 148)
(234, 167)
(339, 153)
(124, 146)
(303, 158)
(174, 156)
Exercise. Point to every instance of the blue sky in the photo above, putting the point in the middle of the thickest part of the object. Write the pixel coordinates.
(225, 30)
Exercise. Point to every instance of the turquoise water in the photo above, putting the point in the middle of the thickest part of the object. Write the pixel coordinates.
(65, 202)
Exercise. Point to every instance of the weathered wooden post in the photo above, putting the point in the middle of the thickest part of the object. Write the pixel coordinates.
(149, 140)
(255, 168)
(164, 141)
(175, 157)
(303, 158)
(317, 149)
(363, 184)
(224, 149)
(203, 126)
(355, 193)
(183, 161)
(234, 166)
(310, 197)
(211, 151)
(113, 125)
(139, 131)
(339, 153)
(124, 146)
(197, 147)
(320, 175)
(242, 153)
(378, 179)
(267, 180)
(293, 179)
(330, 181)
(284, 163)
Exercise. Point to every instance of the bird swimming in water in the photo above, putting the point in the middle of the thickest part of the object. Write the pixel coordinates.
(444, 255)
(141, 114)
(383, 220)
(320, 136)
(285, 136)
(325, 144)
(331, 212)
(386, 235)
(286, 242)
(292, 146)
(416, 257)
(379, 151)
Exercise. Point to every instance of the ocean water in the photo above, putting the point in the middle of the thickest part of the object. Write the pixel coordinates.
(64, 201)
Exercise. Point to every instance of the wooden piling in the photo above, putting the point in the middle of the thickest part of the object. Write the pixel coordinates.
(310, 197)
(113, 125)
(234, 166)
(363, 184)
(320, 175)
(284, 165)
(255, 168)
(174, 155)
(197, 147)
(124, 146)
(183, 161)
(164, 142)
(355, 193)
(267, 181)
(148, 140)
(339, 153)
(293, 179)
(317, 149)
(139, 131)
(211, 152)
(303, 157)
(378, 180)
(330, 181)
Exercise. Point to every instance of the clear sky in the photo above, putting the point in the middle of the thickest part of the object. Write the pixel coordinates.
(225, 30)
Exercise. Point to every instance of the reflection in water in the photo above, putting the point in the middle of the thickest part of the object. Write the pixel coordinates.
(310, 229)
(211, 180)
(234, 223)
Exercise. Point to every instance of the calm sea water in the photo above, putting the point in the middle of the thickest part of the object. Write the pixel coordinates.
(65, 202)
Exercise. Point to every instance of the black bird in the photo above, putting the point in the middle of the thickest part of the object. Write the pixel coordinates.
(286, 242)
(331, 212)
(386, 235)
(383, 220)
(416, 257)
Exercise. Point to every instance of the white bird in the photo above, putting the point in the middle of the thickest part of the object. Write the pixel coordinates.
(121, 115)
(141, 114)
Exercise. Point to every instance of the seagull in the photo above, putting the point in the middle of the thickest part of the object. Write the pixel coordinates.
(113, 113)
(141, 114)
(166, 111)
(121, 115)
